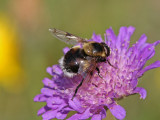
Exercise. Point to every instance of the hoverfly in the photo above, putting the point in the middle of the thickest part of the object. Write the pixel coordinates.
(81, 59)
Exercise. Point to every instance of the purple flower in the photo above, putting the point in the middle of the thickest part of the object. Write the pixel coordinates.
(92, 101)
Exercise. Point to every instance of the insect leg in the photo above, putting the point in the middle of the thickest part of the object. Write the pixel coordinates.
(77, 88)
(110, 64)
(98, 72)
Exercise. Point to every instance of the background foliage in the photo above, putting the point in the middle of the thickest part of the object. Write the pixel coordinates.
(27, 48)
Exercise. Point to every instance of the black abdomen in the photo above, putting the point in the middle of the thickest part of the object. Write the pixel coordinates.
(72, 60)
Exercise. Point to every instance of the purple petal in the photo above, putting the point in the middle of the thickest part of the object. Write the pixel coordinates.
(134, 83)
(65, 50)
(96, 117)
(110, 37)
(126, 40)
(156, 43)
(49, 70)
(53, 106)
(141, 91)
(121, 37)
(49, 115)
(86, 114)
(54, 101)
(61, 116)
(43, 110)
(141, 42)
(49, 83)
(153, 47)
(47, 91)
(36, 98)
(147, 52)
(118, 111)
(103, 113)
(97, 38)
(40, 98)
(57, 70)
(152, 66)
(67, 109)
(76, 105)
(75, 117)
(131, 30)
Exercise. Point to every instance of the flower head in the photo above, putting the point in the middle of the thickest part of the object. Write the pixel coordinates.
(95, 97)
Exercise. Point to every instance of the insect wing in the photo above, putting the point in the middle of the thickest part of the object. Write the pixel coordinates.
(86, 74)
(66, 37)
(88, 69)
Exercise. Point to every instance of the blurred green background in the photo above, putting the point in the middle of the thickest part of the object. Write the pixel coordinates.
(27, 48)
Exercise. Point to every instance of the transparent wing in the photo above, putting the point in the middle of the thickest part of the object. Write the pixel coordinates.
(86, 73)
(87, 67)
(66, 37)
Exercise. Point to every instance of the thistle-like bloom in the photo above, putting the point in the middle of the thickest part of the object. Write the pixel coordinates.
(100, 94)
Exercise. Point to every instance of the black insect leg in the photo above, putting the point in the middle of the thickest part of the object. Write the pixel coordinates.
(94, 85)
(98, 72)
(110, 64)
(77, 88)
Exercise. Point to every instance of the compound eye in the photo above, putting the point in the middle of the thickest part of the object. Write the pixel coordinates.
(107, 49)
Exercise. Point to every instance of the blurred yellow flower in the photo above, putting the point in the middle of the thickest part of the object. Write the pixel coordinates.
(10, 69)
